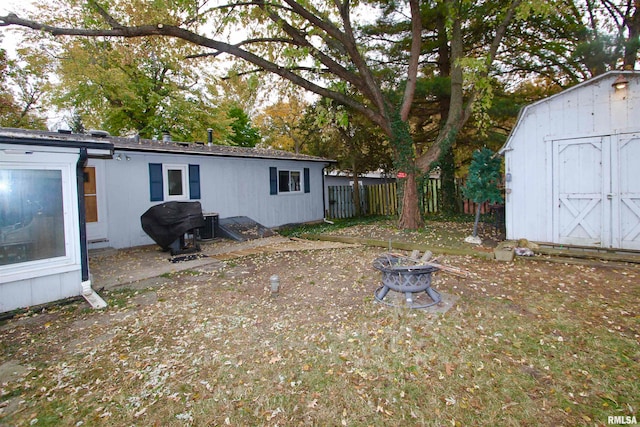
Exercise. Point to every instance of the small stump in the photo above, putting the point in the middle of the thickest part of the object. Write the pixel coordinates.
(398, 276)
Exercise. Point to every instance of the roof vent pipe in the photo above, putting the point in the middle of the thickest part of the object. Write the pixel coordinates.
(166, 136)
(209, 137)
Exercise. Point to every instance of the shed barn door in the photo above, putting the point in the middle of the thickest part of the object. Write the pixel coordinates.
(596, 184)
(626, 192)
(580, 175)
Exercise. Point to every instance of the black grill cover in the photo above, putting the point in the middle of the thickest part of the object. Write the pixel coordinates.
(168, 221)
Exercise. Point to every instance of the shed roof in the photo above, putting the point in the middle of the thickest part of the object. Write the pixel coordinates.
(610, 75)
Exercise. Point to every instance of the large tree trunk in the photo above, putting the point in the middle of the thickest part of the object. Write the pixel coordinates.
(410, 216)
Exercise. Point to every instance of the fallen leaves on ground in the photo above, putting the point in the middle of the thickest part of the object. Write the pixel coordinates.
(525, 341)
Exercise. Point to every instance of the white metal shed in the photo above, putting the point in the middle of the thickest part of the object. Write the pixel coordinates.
(572, 166)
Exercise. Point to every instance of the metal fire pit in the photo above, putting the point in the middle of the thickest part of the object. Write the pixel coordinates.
(407, 279)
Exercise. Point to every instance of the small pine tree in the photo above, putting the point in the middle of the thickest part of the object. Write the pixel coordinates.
(483, 181)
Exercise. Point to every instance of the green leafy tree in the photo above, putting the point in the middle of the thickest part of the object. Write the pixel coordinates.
(332, 130)
(279, 125)
(8, 106)
(22, 88)
(483, 181)
(136, 86)
(243, 134)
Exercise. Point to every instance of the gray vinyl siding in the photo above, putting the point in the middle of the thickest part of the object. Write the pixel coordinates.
(40, 290)
(228, 186)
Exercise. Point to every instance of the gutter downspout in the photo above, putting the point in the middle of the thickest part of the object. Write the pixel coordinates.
(324, 201)
(87, 292)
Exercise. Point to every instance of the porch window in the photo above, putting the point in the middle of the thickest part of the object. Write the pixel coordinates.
(31, 215)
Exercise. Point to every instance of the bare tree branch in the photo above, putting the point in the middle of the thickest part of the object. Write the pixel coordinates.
(103, 13)
(219, 47)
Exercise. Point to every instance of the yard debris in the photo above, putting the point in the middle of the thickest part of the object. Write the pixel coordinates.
(191, 257)
(524, 252)
(474, 240)
(428, 262)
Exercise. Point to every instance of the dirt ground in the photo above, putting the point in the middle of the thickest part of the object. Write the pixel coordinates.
(112, 269)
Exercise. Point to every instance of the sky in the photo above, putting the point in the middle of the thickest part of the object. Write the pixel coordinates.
(11, 38)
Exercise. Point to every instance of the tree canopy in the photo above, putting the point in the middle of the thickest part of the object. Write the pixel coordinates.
(243, 133)
(22, 85)
(331, 49)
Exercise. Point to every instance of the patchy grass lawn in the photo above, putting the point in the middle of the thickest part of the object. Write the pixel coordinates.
(439, 232)
(527, 343)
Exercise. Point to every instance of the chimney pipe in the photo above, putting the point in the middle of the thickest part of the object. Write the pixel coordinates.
(166, 137)
(209, 137)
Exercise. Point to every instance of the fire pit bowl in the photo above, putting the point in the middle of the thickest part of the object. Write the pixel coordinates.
(407, 276)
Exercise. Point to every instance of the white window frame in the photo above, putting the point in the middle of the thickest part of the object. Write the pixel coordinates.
(70, 259)
(184, 169)
(290, 190)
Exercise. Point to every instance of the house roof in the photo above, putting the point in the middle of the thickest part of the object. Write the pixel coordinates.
(96, 146)
(610, 75)
(101, 139)
(198, 148)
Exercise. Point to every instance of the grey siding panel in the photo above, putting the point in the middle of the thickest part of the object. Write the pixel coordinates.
(39, 290)
(228, 186)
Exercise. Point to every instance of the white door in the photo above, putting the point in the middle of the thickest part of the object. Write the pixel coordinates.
(626, 191)
(596, 184)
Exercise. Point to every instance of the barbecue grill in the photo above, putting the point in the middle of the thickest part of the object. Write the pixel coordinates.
(172, 225)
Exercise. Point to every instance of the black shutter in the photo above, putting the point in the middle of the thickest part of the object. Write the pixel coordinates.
(273, 180)
(307, 184)
(194, 182)
(155, 182)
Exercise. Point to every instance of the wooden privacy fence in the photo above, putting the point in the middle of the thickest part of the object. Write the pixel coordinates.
(382, 199)
(341, 202)
(379, 199)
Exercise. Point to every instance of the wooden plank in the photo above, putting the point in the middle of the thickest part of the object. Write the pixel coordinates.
(405, 246)
(591, 254)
